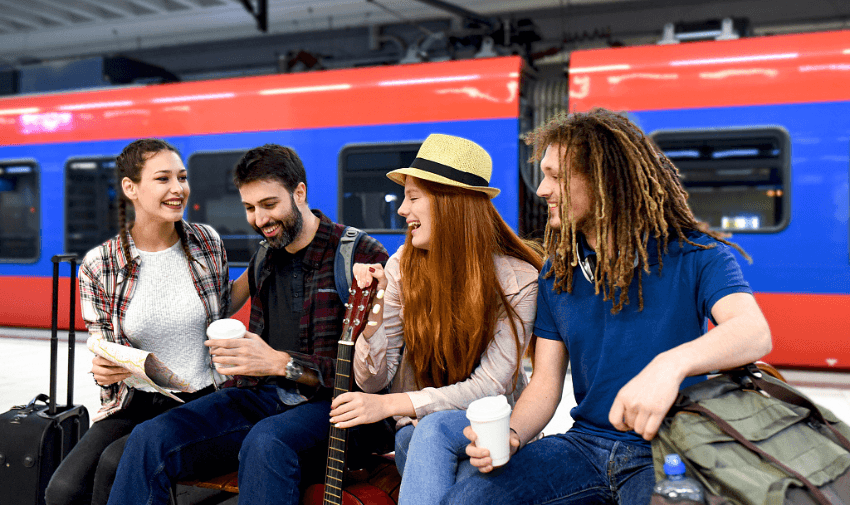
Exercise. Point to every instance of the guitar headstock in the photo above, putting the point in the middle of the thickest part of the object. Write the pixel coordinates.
(357, 310)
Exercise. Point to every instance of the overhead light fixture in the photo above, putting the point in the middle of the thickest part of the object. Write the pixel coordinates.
(429, 80)
(600, 68)
(305, 89)
(734, 59)
(193, 98)
(97, 105)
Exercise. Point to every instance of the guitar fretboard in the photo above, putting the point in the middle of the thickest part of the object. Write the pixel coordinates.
(338, 436)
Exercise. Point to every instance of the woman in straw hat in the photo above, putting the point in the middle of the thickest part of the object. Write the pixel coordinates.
(456, 319)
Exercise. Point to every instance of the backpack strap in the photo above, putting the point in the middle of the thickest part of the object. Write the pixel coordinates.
(254, 277)
(344, 260)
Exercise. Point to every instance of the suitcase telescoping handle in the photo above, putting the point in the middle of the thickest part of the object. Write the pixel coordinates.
(54, 330)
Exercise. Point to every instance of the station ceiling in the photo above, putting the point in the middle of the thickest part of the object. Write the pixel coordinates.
(39, 31)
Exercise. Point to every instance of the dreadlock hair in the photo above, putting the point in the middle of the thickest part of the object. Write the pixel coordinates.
(129, 164)
(451, 292)
(635, 192)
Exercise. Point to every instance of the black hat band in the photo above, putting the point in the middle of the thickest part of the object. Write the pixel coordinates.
(449, 172)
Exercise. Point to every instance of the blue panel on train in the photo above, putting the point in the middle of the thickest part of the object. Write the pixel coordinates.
(319, 150)
(811, 254)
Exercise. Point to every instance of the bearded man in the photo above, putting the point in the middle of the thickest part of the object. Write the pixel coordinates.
(277, 407)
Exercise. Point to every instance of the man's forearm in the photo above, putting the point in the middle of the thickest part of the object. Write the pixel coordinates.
(535, 408)
(741, 336)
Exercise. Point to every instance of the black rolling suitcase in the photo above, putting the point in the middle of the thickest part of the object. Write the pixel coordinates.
(34, 438)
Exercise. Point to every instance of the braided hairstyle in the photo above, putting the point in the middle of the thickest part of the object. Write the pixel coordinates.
(635, 192)
(129, 164)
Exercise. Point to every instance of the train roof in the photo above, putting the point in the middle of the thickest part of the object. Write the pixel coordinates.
(782, 69)
(415, 93)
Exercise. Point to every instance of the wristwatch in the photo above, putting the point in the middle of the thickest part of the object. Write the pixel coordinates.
(293, 370)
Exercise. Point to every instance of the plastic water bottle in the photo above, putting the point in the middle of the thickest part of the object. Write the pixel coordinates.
(677, 486)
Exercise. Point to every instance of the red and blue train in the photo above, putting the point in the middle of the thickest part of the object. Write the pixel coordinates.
(760, 129)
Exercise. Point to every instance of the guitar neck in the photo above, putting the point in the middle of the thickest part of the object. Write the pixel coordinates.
(338, 437)
(355, 319)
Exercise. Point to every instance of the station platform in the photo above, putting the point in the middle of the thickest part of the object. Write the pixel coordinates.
(25, 361)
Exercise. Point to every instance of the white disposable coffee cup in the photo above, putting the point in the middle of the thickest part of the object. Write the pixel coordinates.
(225, 328)
(490, 419)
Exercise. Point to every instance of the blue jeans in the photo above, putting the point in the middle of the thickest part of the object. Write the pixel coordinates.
(571, 468)
(248, 428)
(85, 475)
(433, 457)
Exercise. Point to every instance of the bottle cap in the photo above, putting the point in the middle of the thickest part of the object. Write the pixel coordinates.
(673, 465)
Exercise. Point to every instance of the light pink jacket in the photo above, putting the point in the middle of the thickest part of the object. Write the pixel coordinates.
(379, 361)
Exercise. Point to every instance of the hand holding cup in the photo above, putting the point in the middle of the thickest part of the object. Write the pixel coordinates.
(490, 432)
(225, 329)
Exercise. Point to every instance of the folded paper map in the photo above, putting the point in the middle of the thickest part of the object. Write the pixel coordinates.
(145, 368)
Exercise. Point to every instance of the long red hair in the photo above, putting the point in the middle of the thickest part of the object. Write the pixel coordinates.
(452, 295)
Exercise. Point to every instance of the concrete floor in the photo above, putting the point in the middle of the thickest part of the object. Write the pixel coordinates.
(24, 373)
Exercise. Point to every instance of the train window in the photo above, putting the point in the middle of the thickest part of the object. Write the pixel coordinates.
(216, 202)
(20, 210)
(90, 203)
(368, 199)
(737, 179)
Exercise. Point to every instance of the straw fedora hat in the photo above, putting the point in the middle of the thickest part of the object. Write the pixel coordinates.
(453, 161)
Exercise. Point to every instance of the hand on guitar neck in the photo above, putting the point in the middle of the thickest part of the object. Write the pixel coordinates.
(358, 312)
(365, 275)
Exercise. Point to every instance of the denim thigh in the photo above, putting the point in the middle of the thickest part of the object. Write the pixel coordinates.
(196, 440)
(571, 468)
(402, 443)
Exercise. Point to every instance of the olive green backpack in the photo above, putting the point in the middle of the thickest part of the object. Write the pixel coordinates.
(751, 439)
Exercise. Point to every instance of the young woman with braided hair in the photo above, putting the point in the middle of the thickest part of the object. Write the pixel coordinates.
(455, 321)
(156, 286)
(634, 332)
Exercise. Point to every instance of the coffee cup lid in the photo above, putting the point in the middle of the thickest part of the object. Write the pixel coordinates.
(226, 328)
(488, 409)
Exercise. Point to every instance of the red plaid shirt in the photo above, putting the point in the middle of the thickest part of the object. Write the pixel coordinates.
(108, 281)
(321, 318)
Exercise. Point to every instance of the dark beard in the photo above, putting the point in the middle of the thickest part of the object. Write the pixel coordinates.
(290, 227)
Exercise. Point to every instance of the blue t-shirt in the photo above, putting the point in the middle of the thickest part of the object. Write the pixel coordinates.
(606, 351)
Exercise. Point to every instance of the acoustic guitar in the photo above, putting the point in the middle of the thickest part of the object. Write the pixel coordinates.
(333, 491)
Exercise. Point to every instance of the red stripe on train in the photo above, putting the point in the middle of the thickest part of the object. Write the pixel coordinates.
(427, 92)
(808, 330)
(752, 71)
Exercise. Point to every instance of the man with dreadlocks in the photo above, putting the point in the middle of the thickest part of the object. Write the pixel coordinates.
(623, 298)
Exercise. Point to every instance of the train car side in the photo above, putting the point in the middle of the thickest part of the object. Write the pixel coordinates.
(322, 115)
(790, 93)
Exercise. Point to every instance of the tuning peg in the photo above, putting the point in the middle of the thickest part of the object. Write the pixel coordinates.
(376, 308)
(355, 322)
(352, 291)
(360, 308)
(347, 305)
(380, 294)
(345, 321)
(372, 323)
